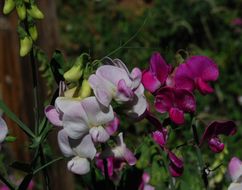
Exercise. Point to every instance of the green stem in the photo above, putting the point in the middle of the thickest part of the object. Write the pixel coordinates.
(199, 156)
(47, 164)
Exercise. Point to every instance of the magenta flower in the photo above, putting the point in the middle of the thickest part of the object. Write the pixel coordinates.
(212, 132)
(156, 76)
(176, 102)
(195, 73)
(237, 22)
(144, 185)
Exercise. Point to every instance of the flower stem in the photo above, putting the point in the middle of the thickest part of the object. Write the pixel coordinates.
(199, 156)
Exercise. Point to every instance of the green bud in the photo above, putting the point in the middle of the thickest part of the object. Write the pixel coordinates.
(75, 72)
(35, 12)
(10, 139)
(21, 11)
(85, 89)
(25, 45)
(8, 6)
(33, 32)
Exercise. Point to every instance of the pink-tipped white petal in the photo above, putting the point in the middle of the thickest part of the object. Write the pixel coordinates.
(99, 134)
(3, 129)
(53, 116)
(235, 168)
(64, 144)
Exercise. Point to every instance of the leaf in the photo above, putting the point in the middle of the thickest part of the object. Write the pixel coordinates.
(13, 117)
(56, 64)
(22, 166)
(25, 182)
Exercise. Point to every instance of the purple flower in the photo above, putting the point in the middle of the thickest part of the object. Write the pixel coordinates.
(195, 73)
(212, 132)
(237, 22)
(176, 102)
(156, 76)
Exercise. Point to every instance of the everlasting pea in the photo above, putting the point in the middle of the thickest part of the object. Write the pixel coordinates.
(116, 82)
(195, 73)
(156, 76)
(215, 129)
(145, 182)
(176, 102)
(3, 129)
(79, 149)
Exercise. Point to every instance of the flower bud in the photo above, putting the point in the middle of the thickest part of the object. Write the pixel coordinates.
(8, 6)
(21, 10)
(33, 32)
(85, 89)
(35, 12)
(75, 72)
(25, 45)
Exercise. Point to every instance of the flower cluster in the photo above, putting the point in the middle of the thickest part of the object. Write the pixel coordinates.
(173, 89)
(88, 121)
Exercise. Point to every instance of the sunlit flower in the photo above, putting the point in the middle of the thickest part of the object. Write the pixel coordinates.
(114, 81)
(196, 73)
(212, 132)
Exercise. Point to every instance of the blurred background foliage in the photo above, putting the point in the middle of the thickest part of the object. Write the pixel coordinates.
(191, 27)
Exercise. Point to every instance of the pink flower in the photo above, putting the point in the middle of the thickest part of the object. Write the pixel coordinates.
(237, 22)
(195, 73)
(157, 74)
(145, 182)
(114, 81)
(235, 172)
(81, 117)
(176, 102)
(176, 165)
(215, 129)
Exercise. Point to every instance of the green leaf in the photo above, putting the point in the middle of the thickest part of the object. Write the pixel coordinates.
(13, 117)
(10, 139)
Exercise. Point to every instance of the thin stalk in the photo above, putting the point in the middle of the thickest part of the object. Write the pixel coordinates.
(199, 156)
(46, 165)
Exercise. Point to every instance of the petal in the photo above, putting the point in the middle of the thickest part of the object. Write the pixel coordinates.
(159, 67)
(159, 138)
(203, 67)
(184, 78)
(164, 99)
(216, 128)
(175, 160)
(177, 116)
(148, 187)
(96, 113)
(145, 177)
(79, 165)
(216, 145)
(99, 134)
(136, 76)
(150, 82)
(185, 100)
(64, 144)
(53, 116)
(129, 157)
(120, 64)
(125, 93)
(235, 168)
(102, 89)
(3, 129)
(203, 87)
(83, 147)
(175, 172)
(112, 126)
(113, 74)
